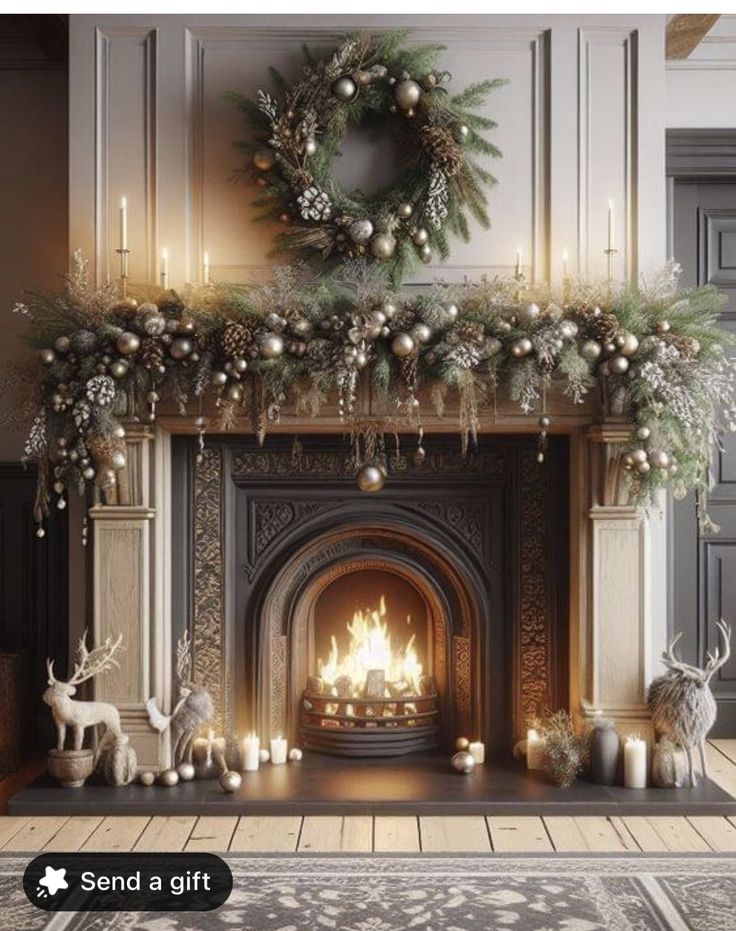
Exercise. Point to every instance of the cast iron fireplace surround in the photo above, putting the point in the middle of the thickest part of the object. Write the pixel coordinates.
(260, 533)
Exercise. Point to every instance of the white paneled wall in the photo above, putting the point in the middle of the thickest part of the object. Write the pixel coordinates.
(581, 121)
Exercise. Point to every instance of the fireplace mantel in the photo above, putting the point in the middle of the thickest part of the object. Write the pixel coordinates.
(609, 583)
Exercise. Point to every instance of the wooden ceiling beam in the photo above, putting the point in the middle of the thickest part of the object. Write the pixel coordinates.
(685, 31)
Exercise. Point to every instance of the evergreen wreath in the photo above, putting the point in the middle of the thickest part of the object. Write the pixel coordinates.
(371, 80)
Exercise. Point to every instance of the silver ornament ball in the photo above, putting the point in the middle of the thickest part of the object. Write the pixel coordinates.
(425, 253)
(147, 779)
(119, 368)
(420, 236)
(62, 344)
(452, 311)
(360, 231)
(529, 314)
(629, 345)
(230, 781)
(47, 356)
(180, 348)
(421, 333)
(404, 211)
(591, 350)
(521, 347)
(660, 459)
(310, 146)
(345, 88)
(264, 755)
(618, 365)
(463, 762)
(186, 771)
(371, 478)
(117, 460)
(643, 433)
(295, 755)
(568, 329)
(128, 343)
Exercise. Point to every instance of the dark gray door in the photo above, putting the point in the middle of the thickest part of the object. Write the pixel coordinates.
(703, 584)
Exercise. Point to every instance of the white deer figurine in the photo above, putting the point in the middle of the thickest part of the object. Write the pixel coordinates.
(82, 714)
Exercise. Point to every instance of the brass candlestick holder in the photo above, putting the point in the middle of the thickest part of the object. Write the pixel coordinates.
(123, 253)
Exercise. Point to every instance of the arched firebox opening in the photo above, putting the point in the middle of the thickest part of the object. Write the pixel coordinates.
(332, 612)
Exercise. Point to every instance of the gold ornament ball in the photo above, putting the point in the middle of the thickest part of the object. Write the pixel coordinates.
(404, 211)
(420, 236)
(230, 781)
(295, 755)
(371, 478)
(403, 345)
(629, 345)
(463, 762)
(218, 379)
(186, 771)
(47, 356)
(462, 131)
(272, 346)
(407, 94)
(388, 310)
(62, 345)
(264, 756)
(383, 246)
(264, 159)
(643, 433)
(643, 468)
(310, 146)
(235, 394)
(568, 329)
(660, 459)
(147, 779)
(128, 343)
(663, 327)
(360, 231)
(618, 365)
(462, 743)
(168, 778)
(345, 88)
(119, 368)
(422, 333)
(638, 456)
(521, 347)
(127, 308)
(452, 311)
(591, 350)
(425, 253)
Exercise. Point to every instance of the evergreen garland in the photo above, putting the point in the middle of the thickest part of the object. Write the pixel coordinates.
(657, 354)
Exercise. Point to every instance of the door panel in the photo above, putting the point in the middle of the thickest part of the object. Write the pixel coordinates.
(703, 583)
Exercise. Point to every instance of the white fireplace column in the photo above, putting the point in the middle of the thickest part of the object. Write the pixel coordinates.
(615, 629)
(121, 591)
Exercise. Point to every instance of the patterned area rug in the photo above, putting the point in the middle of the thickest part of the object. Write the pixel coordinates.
(303, 893)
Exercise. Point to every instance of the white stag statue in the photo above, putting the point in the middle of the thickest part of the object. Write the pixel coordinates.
(79, 715)
(681, 703)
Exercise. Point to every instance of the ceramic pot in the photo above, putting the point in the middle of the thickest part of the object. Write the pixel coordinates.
(605, 754)
(71, 767)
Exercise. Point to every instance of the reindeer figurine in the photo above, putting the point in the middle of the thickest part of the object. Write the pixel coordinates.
(681, 703)
(82, 714)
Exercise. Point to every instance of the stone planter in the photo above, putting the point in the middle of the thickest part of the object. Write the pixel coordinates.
(71, 767)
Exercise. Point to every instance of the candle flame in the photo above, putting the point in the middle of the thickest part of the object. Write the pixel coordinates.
(370, 648)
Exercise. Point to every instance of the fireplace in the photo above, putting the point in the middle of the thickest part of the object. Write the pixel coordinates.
(374, 625)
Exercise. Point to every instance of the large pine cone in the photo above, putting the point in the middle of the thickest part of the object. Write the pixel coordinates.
(442, 149)
(235, 339)
(599, 325)
(152, 354)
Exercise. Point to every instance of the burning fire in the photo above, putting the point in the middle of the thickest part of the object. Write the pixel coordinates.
(370, 650)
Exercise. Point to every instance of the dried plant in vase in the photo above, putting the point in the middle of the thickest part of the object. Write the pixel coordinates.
(565, 752)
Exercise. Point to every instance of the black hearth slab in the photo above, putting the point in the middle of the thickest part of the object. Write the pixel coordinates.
(417, 785)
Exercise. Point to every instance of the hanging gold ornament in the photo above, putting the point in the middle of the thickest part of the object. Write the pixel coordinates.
(371, 478)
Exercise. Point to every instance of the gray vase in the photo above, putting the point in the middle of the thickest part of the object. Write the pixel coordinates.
(605, 753)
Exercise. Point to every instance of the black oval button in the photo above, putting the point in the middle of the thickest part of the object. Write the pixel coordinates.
(129, 882)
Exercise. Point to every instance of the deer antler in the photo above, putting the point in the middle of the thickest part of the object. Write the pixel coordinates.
(715, 659)
(184, 659)
(50, 671)
(672, 662)
(91, 662)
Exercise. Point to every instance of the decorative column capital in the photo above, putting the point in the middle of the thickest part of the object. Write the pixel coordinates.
(609, 486)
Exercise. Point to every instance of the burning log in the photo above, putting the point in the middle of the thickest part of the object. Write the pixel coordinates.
(375, 683)
(427, 685)
(344, 687)
(315, 685)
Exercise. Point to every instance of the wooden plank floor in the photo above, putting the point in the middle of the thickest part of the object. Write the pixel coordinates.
(387, 834)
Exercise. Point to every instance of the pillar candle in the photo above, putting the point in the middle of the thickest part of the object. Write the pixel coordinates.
(279, 748)
(535, 747)
(477, 750)
(517, 272)
(123, 224)
(635, 762)
(164, 268)
(206, 268)
(251, 753)
(610, 224)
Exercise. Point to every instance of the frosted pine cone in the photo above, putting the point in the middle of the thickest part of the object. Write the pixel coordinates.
(314, 204)
(101, 390)
(152, 354)
(82, 413)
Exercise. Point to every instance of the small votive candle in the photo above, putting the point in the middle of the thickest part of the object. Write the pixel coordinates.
(635, 762)
(477, 749)
(279, 750)
(251, 753)
(535, 749)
